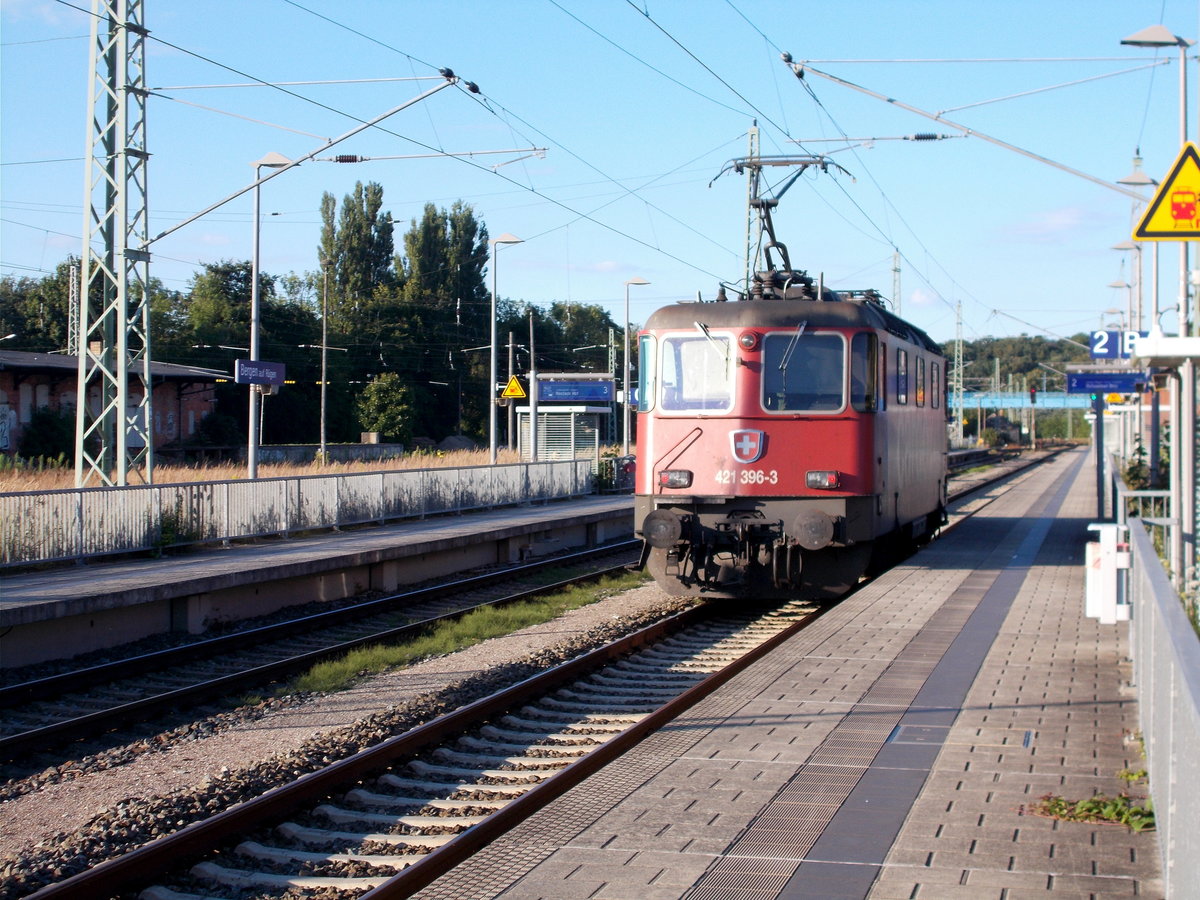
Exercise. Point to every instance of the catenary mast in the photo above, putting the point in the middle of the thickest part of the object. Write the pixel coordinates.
(113, 411)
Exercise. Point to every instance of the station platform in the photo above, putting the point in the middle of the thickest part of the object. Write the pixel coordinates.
(895, 749)
(105, 603)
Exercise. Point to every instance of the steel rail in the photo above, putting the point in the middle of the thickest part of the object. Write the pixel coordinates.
(151, 860)
(55, 685)
(80, 726)
(442, 860)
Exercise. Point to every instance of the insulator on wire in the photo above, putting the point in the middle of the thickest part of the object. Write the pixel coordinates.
(349, 158)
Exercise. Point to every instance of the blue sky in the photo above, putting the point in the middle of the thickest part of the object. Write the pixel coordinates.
(639, 104)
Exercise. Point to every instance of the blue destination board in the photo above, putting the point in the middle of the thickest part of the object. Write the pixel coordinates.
(1105, 382)
(575, 391)
(257, 371)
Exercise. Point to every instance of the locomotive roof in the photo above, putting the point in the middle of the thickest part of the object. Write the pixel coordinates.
(789, 313)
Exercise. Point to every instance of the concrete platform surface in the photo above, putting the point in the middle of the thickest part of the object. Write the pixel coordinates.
(895, 749)
(75, 589)
(70, 610)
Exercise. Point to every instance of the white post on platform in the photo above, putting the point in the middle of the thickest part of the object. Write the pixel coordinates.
(491, 388)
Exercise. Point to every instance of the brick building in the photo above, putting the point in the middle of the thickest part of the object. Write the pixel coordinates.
(183, 395)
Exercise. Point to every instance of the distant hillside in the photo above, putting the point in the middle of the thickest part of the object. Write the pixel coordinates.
(1001, 363)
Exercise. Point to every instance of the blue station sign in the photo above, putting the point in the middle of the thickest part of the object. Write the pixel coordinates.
(1106, 382)
(257, 371)
(1113, 344)
(575, 391)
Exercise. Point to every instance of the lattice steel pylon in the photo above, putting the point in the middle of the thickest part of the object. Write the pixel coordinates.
(113, 419)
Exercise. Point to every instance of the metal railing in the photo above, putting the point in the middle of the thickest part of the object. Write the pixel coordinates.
(1166, 667)
(48, 526)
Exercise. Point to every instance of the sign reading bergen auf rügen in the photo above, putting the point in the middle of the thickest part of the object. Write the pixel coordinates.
(257, 371)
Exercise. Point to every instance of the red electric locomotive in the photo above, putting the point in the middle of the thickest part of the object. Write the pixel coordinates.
(785, 439)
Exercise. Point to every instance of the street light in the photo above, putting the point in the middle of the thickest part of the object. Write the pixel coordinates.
(1183, 436)
(1160, 36)
(625, 381)
(1139, 179)
(1127, 316)
(491, 388)
(321, 451)
(1136, 305)
(272, 160)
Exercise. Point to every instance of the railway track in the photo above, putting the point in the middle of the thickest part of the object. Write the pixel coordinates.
(585, 739)
(43, 716)
(40, 718)
(392, 818)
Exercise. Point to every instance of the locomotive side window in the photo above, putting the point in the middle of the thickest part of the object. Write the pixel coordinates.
(864, 363)
(935, 385)
(803, 372)
(883, 377)
(901, 375)
(697, 373)
(647, 367)
(920, 381)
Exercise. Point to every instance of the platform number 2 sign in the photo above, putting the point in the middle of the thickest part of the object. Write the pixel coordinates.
(1112, 344)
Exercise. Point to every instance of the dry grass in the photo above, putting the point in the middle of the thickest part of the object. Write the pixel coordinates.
(51, 478)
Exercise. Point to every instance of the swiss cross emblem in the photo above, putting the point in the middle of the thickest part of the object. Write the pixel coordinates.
(747, 444)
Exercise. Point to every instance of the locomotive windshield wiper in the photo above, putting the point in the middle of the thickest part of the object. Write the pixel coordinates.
(787, 354)
(723, 349)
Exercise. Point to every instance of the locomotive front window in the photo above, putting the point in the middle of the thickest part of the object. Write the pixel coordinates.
(697, 373)
(803, 372)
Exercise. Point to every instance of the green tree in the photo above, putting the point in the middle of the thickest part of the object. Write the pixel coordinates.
(37, 310)
(386, 406)
(357, 249)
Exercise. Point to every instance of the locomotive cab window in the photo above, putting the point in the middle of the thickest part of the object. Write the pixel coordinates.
(920, 381)
(803, 372)
(647, 367)
(696, 373)
(901, 376)
(864, 363)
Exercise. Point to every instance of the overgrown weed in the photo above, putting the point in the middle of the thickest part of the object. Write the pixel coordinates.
(444, 638)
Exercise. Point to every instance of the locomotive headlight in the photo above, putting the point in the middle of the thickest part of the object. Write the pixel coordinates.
(748, 340)
(675, 478)
(823, 479)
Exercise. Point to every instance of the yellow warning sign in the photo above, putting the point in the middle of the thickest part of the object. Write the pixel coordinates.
(1174, 213)
(513, 390)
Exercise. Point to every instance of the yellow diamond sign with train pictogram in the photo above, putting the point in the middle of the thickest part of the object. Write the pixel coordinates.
(1174, 213)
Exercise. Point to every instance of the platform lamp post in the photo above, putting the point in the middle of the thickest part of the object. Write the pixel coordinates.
(1183, 435)
(1126, 317)
(1136, 308)
(270, 161)
(491, 387)
(1139, 179)
(625, 380)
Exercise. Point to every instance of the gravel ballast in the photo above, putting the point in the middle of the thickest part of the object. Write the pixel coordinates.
(62, 820)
